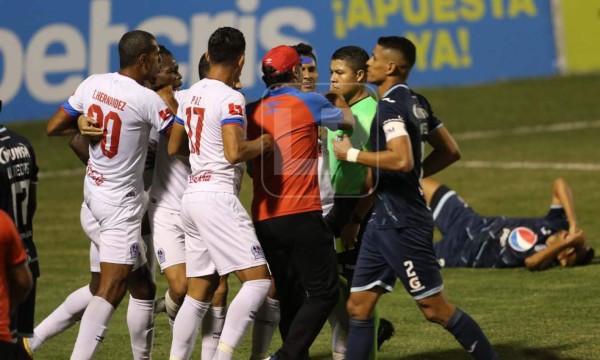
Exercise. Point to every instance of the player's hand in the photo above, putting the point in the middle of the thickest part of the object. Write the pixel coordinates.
(349, 235)
(336, 99)
(575, 239)
(341, 147)
(89, 127)
(266, 144)
(165, 93)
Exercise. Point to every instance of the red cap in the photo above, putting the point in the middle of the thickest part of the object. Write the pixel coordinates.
(282, 58)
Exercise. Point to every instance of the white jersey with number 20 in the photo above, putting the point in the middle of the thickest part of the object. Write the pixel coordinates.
(126, 111)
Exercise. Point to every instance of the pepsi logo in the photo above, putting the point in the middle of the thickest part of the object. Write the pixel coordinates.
(522, 239)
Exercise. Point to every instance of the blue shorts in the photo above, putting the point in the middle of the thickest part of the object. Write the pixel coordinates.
(404, 253)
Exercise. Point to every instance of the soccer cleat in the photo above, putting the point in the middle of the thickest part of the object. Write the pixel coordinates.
(384, 332)
(23, 350)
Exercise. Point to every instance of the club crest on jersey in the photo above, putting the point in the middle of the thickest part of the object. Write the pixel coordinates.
(257, 252)
(522, 239)
(160, 254)
(134, 250)
(420, 112)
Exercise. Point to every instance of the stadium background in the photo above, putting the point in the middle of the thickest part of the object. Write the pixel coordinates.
(490, 68)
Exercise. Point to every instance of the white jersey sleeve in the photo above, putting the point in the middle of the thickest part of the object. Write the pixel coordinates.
(157, 112)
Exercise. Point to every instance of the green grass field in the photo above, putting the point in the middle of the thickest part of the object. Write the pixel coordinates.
(547, 315)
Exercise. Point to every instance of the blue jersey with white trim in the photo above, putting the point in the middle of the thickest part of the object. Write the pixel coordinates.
(506, 242)
(399, 200)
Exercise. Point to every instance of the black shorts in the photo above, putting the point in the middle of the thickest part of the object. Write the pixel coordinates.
(404, 253)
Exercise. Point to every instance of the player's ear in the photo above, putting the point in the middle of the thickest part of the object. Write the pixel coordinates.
(360, 75)
(241, 61)
(142, 60)
(391, 68)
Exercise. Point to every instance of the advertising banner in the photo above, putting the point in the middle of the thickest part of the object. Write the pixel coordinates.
(48, 47)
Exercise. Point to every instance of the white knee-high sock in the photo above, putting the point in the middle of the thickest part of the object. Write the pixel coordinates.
(240, 315)
(94, 324)
(65, 316)
(186, 327)
(140, 321)
(212, 326)
(266, 321)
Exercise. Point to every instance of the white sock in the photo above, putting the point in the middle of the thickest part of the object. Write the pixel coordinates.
(172, 308)
(212, 326)
(94, 324)
(265, 323)
(140, 321)
(185, 328)
(240, 315)
(339, 322)
(65, 316)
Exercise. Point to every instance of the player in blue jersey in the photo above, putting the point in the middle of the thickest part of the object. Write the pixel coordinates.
(473, 240)
(397, 242)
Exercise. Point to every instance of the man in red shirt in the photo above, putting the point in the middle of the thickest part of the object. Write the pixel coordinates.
(15, 280)
(286, 207)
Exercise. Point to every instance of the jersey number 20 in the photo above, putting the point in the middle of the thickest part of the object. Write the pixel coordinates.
(111, 130)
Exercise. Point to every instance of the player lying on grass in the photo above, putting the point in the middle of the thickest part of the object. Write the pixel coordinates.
(473, 240)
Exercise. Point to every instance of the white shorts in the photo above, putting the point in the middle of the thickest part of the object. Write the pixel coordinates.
(120, 240)
(92, 229)
(167, 235)
(218, 234)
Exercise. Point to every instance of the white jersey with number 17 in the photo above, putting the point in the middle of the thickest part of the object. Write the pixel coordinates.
(126, 111)
(205, 108)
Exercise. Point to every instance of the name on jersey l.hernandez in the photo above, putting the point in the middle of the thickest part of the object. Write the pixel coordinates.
(393, 128)
(109, 100)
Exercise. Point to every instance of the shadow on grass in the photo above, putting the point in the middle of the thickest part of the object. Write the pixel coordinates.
(511, 351)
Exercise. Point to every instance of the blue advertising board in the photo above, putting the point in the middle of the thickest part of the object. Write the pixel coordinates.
(48, 47)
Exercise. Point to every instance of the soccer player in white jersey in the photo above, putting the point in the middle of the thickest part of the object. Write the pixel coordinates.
(124, 111)
(72, 308)
(219, 236)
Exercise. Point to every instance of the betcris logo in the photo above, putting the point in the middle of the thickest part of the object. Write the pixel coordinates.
(48, 47)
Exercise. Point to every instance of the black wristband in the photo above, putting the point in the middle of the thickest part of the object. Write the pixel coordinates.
(356, 219)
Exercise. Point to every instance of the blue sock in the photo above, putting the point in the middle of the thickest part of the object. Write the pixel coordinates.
(360, 339)
(470, 336)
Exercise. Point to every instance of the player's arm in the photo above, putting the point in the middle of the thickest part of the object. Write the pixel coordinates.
(363, 205)
(541, 260)
(167, 94)
(178, 140)
(238, 150)
(445, 151)
(61, 123)
(562, 195)
(347, 118)
(21, 282)
(397, 156)
(80, 145)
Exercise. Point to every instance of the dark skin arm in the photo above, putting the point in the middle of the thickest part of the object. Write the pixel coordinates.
(397, 157)
(445, 151)
(542, 259)
(178, 141)
(238, 150)
(80, 145)
(21, 281)
(61, 124)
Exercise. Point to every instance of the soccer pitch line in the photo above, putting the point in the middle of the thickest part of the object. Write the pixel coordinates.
(470, 135)
(525, 130)
(526, 165)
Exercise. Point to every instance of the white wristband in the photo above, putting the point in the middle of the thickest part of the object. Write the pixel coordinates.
(352, 155)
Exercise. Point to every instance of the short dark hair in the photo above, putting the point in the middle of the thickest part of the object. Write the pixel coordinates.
(401, 44)
(203, 66)
(355, 56)
(226, 45)
(304, 49)
(271, 77)
(133, 44)
(164, 51)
